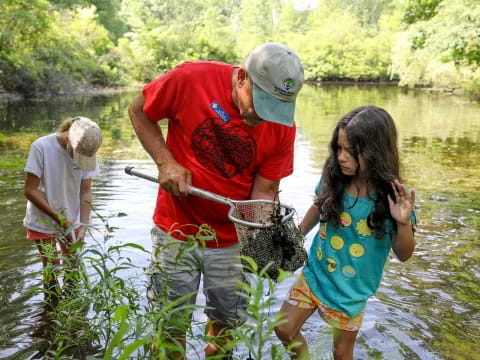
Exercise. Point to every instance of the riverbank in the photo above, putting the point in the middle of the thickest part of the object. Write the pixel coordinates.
(470, 95)
(77, 92)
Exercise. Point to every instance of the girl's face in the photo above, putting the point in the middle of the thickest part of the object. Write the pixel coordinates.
(346, 159)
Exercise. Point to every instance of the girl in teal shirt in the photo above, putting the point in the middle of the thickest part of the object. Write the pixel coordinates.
(364, 210)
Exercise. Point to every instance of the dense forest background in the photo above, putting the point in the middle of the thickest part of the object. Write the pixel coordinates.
(60, 46)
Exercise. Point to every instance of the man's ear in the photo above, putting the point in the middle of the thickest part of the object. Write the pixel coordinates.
(242, 76)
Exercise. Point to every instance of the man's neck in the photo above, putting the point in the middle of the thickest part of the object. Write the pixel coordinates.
(234, 86)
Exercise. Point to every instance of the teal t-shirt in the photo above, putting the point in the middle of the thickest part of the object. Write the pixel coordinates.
(345, 262)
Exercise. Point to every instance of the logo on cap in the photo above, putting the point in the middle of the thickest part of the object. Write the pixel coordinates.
(288, 84)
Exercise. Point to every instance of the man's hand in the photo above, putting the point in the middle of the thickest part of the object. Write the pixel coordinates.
(174, 178)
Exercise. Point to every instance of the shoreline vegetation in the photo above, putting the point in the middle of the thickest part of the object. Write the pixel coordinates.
(6, 97)
(73, 92)
(66, 47)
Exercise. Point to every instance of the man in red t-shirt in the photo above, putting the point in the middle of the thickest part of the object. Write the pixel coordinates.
(231, 131)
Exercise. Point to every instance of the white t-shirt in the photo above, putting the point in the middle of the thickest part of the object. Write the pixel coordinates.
(60, 181)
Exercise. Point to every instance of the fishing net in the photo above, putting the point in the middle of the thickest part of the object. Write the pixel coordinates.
(266, 230)
(279, 246)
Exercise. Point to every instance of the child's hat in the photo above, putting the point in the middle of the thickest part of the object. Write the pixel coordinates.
(85, 137)
(277, 74)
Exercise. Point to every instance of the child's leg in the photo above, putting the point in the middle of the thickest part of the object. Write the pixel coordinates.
(48, 254)
(70, 277)
(289, 331)
(343, 343)
(48, 251)
(65, 244)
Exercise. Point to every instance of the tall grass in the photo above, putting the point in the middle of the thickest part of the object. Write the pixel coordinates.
(102, 312)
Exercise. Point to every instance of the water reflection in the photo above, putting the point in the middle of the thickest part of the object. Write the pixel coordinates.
(427, 308)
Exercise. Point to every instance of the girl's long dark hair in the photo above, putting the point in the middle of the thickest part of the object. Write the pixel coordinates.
(371, 133)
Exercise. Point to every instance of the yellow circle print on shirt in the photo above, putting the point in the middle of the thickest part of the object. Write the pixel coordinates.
(331, 264)
(348, 271)
(319, 253)
(363, 229)
(336, 242)
(357, 250)
(345, 219)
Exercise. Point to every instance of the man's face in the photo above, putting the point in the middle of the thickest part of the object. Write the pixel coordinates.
(245, 104)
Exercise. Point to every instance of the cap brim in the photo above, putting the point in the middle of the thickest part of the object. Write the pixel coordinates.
(86, 163)
(272, 109)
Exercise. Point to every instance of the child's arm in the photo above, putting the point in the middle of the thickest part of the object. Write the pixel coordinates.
(310, 219)
(37, 198)
(403, 242)
(85, 201)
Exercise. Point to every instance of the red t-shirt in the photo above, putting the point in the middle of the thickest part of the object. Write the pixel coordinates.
(207, 135)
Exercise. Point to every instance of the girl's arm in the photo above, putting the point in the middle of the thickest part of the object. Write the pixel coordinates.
(85, 202)
(403, 242)
(311, 218)
(37, 198)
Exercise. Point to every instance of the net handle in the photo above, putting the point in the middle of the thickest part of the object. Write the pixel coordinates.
(130, 170)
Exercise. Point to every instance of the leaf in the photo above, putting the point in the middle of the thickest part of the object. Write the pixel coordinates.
(133, 245)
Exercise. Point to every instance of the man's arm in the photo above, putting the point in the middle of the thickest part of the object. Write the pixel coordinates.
(264, 189)
(172, 176)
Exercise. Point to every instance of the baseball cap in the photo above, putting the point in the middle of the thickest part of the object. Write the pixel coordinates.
(277, 74)
(85, 137)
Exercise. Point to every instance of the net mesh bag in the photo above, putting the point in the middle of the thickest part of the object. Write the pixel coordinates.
(280, 246)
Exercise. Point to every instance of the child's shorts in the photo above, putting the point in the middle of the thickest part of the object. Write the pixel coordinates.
(35, 235)
(301, 296)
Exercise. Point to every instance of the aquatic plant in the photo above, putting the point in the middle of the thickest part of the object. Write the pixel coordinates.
(101, 314)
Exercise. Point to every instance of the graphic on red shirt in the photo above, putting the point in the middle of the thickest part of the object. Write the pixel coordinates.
(223, 147)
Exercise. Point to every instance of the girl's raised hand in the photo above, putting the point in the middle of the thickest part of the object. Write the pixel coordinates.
(401, 208)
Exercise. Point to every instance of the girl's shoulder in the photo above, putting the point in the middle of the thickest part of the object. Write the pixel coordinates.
(320, 185)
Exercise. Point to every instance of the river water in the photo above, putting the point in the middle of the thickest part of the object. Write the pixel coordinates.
(427, 308)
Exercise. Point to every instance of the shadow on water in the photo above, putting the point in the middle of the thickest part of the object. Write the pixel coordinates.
(427, 308)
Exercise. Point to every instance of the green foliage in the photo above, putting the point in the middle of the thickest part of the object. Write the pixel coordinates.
(367, 12)
(161, 36)
(258, 331)
(60, 46)
(341, 48)
(97, 313)
(55, 51)
(443, 50)
(420, 10)
(12, 162)
(107, 10)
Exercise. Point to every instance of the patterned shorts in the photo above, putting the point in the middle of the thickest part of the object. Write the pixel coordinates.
(301, 296)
